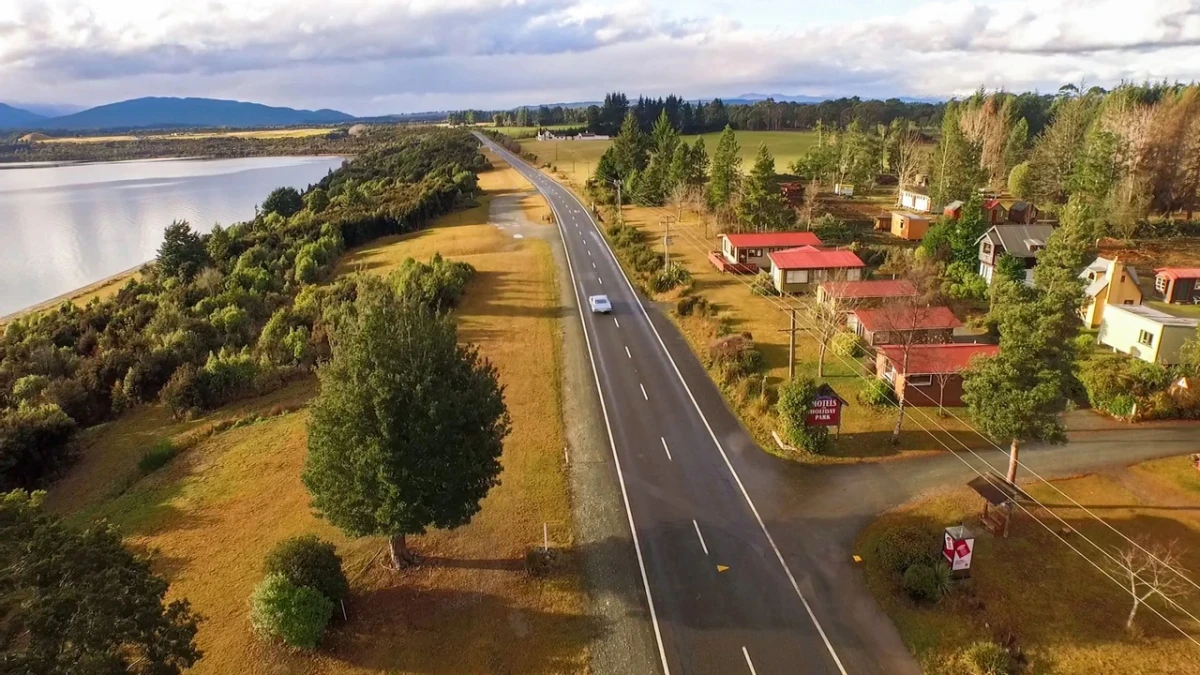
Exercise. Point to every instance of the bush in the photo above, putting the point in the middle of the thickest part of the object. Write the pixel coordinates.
(297, 615)
(985, 658)
(675, 276)
(795, 400)
(1115, 382)
(847, 345)
(877, 393)
(33, 444)
(735, 357)
(310, 562)
(157, 457)
(920, 583)
(905, 545)
(437, 285)
(762, 284)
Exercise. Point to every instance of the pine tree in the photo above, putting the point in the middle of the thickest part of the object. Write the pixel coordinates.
(629, 148)
(762, 207)
(699, 163)
(725, 171)
(681, 166)
(664, 136)
(956, 172)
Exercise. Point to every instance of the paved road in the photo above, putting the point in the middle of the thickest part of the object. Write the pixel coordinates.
(722, 596)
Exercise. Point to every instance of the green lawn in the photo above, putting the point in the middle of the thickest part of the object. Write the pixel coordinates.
(786, 146)
(530, 132)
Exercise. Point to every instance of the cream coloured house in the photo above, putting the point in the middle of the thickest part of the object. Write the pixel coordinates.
(1146, 333)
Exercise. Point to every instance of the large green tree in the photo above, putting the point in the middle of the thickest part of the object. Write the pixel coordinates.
(630, 148)
(762, 207)
(286, 201)
(79, 602)
(955, 162)
(182, 252)
(726, 171)
(408, 428)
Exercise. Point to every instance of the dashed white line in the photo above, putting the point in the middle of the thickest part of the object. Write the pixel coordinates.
(704, 546)
(749, 663)
(600, 280)
(668, 450)
(593, 265)
(643, 391)
(618, 321)
(589, 252)
(627, 352)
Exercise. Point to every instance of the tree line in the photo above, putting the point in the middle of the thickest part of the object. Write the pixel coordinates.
(336, 142)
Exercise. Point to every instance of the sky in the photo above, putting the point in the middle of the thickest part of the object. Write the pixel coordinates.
(369, 57)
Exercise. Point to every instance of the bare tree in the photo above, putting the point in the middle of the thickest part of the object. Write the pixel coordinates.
(1150, 570)
(942, 379)
(908, 160)
(828, 318)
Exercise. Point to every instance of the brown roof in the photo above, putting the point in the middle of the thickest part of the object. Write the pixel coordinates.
(936, 359)
(907, 318)
(1178, 272)
(880, 288)
(773, 239)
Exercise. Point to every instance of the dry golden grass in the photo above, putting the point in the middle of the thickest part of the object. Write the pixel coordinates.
(1067, 617)
(214, 512)
(103, 289)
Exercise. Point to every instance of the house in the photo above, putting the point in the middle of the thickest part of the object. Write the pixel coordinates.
(1108, 282)
(893, 324)
(752, 248)
(798, 270)
(910, 226)
(928, 374)
(1146, 333)
(953, 210)
(1178, 285)
(843, 189)
(916, 199)
(883, 221)
(994, 212)
(1020, 241)
(1022, 212)
(864, 293)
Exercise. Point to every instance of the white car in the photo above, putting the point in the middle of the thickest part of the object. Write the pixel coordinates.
(600, 304)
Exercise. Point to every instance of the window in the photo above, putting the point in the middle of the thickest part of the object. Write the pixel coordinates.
(1160, 284)
(797, 276)
(987, 248)
(1146, 338)
(1198, 284)
(1127, 302)
(754, 252)
(918, 380)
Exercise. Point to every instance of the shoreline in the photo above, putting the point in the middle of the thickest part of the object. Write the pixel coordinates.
(117, 279)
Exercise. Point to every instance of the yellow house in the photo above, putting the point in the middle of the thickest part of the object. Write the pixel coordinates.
(1109, 282)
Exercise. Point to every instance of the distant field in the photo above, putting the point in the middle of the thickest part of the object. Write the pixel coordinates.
(258, 133)
(577, 159)
(530, 132)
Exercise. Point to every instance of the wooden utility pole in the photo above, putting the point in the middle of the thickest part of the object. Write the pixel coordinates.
(666, 221)
(791, 331)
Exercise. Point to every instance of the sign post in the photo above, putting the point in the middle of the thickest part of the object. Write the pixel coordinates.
(826, 409)
(958, 543)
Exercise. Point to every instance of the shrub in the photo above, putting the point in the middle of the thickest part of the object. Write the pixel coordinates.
(762, 284)
(1115, 382)
(846, 345)
(985, 658)
(877, 393)
(735, 357)
(437, 285)
(297, 615)
(184, 393)
(310, 562)
(33, 444)
(675, 276)
(157, 457)
(920, 583)
(795, 399)
(943, 577)
(905, 545)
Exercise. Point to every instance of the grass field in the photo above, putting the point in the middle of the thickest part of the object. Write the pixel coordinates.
(103, 289)
(214, 511)
(1065, 615)
(530, 132)
(254, 133)
(577, 159)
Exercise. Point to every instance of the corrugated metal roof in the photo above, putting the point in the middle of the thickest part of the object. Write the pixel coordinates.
(937, 359)
(895, 318)
(809, 258)
(879, 288)
(769, 239)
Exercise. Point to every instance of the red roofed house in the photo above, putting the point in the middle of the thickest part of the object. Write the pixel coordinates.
(798, 270)
(1179, 285)
(994, 212)
(864, 293)
(888, 325)
(931, 375)
(752, 248)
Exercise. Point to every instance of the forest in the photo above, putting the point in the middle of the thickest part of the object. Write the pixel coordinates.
(336, 142)
(226, 314)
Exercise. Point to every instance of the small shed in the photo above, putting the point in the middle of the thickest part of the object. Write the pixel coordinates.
(998, 497)
(953, 210)
(909, 226)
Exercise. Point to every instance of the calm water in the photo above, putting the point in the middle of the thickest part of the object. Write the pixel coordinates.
(64, 227)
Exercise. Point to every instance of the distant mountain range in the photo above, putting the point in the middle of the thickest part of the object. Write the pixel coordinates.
(151, 112)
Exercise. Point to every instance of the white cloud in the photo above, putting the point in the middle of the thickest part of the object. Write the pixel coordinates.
(375, 56)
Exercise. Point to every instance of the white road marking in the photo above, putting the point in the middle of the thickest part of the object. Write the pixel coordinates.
(751, 663)
(589, 253)
(600, 280)
(627, 352)
(702, 544)
(737, 479)
(593, 265)
(643, 391)
(618, 321)
(668, 450)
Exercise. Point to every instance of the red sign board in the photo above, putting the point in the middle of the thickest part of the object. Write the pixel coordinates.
(826, 411)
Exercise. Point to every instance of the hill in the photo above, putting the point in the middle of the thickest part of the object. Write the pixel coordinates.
(12, 118)
(189, 112)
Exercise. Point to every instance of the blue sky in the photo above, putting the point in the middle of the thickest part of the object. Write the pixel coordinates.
(381, 56)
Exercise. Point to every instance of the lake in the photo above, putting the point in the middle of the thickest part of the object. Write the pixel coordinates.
(64, 227)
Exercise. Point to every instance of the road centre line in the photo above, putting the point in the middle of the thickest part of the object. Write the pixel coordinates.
(737, 479)
(600, 280)
(668, 450)
(700, 536)
(643, 391)
(627, 352)
(637, 547)
(593, 265)
(618, 321)
(748, 661)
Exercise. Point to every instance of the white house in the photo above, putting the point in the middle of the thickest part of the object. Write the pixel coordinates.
(1146, 333)
(916, 199)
